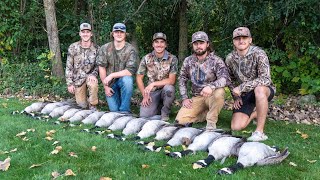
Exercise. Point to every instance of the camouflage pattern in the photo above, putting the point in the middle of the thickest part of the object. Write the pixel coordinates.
(158, 69)
(249, 71)
(127, 56)
(210, 72)
(241, 31)
(81, 62)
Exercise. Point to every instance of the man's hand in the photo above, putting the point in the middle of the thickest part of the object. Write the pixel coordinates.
(236, 91)
(109, 91)
(237, 103)
(107, 80)
(71, 89)
(146, 101)
(187, 103)
(206, 91)
(148, 89)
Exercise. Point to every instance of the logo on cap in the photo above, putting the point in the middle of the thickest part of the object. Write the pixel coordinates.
(159, 35)
(119, 27)
(84, 26)
(199, 36)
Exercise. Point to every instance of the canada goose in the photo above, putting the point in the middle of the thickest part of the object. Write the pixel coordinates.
(68, 114)
(134, 126)
(80, 115)
(51, 106)
(177, 139)
(200, 143)
(221, 147)
(166, 132)
(108, 118)
(59, 111)
(35, 107)
(93, 118)
(255, 153)
(120, 123)
(150, 128)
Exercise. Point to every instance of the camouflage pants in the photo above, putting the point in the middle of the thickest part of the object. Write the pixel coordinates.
(162, 100)
(81, 94)
(203, 108)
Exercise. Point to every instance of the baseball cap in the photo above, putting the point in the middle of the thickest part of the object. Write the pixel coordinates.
(159, 35)
(119, 27)
(241, 31)
(84, 26)
(199, 36)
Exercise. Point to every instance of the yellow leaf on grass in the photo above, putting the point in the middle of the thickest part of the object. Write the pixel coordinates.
(35, 165)
(21, 134)
(13, 150)
(93, 148)
(55, 174)
(56, 150)
(48, 138)
(69, 172)
(73, 154)
(145, 166)
(105, 178)
(247, 132)
(31, 130)
(184, 147)
(4, 165)
(50, 133)
(25, 139)
(311, 161)
(304, 136)
(293, 164)
(5, 105)
(54, 143)
(4, 152)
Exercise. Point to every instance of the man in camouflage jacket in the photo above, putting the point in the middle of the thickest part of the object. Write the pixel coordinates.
(161, 68)
(208, 75)
(81, 69)
(117, 61)
(251, 85)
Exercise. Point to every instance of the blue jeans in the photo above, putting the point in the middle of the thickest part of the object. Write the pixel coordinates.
(121, 99)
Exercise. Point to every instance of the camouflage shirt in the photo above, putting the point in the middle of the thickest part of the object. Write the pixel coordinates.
(117, 60)
(81, 62)
(210, 72)
(158, 69)
(249, 71)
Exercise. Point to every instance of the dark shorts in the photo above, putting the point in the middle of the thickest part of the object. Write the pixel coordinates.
(249, 102)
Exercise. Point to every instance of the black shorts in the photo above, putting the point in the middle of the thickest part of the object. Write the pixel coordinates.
(249, 102)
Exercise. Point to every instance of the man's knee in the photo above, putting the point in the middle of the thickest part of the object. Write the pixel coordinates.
(169, 91)
(261, 92)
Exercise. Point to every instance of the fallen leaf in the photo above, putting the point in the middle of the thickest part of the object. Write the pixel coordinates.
(56, 150)
(184, 147)
(311, 161)
(73, 154)
(247, 132)
(21, 134)
(54, 143)
(5, 105)
(4, 152)
(196, 166)
(31, 130)
(35, 165)
(105, 178)
(304, 136)
(48, 138)
(50, 133)
(69, 172)
(145, 166)
(93, 148)
(298, 131)
(25, 139)
(55, 174)
(293, 164)
(13, 150)
(4, 165)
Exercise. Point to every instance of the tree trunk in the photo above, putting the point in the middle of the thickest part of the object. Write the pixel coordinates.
(53, 38)
(183, 31)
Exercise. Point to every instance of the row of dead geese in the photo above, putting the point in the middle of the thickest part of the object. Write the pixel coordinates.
(218, 143)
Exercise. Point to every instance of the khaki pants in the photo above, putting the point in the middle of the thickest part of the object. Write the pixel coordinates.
(81, 94)
(203, 108)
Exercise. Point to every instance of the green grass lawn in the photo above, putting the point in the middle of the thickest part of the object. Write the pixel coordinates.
(124, 160)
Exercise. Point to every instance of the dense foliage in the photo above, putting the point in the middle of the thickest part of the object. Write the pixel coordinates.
(287, 29)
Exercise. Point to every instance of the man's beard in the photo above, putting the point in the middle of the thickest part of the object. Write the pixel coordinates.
(200, 53)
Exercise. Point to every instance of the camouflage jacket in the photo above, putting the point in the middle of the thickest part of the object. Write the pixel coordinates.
(249, 71)
(210, 72)
(117, 60)
(81, 62)
(158, 69)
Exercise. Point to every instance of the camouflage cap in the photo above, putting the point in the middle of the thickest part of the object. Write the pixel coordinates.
(241, 31)
(159, 35)
(199, 36)
(119, 27)
(84, 26)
